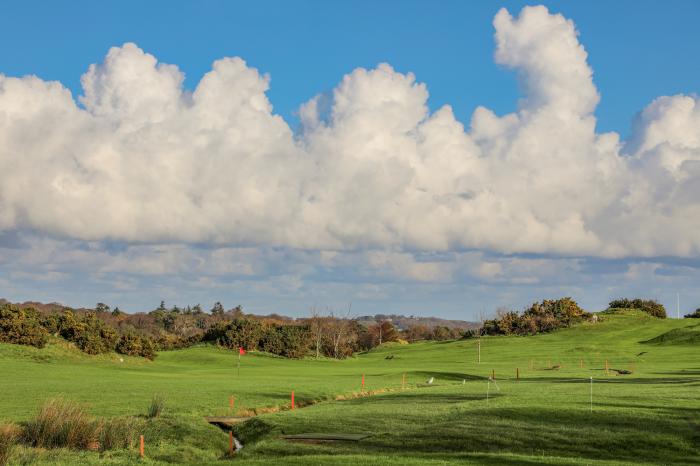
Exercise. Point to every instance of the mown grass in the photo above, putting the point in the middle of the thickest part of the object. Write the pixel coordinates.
(649, 417)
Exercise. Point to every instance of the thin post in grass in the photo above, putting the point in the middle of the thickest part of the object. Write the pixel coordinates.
(141, 447)
(230, 442)
(606, 367)
(403, 381)
(231, 402)
(591, 394)
(292, 399)
(493, 374)
(517, 373)
(363, 382)
(478, 348)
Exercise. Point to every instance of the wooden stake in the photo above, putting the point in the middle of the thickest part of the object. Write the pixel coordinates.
(493, 374)
(363, 382)
(141, 452)
(230, 442)
(517, 373)
(292, 399)
(231, 401)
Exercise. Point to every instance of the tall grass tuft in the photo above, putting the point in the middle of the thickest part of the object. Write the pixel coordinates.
(156, 407)
(9, 435)
(63, 424)
(117, 433)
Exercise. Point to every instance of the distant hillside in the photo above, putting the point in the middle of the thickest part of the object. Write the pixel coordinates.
(402, 322)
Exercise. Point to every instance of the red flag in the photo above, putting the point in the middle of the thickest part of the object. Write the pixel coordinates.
(241, 351)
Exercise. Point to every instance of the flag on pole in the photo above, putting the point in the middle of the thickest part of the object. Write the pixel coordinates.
(241, 352)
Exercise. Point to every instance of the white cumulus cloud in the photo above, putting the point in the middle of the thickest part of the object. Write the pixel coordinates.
(137, 158)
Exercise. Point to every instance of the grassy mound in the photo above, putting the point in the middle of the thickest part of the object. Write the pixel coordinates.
(678, 336)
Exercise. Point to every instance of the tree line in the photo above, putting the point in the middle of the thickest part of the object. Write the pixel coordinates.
(103, 330)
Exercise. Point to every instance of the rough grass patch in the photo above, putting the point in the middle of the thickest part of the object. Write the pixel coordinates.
(63, 424)
(9, 434)
(117, 433)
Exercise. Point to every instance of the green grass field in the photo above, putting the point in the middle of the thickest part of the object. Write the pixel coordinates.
(649, 417)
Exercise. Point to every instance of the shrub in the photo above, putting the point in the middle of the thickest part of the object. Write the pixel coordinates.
(693, 315)
(245, 333)
(291, 341)
(156, 407)
(136, 345)
(9, 434)
(539, 317)
(21, 326)
(90, 334)
(649, 306)
(63, 424)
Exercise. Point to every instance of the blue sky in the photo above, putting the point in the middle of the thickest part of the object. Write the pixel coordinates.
(638, 51)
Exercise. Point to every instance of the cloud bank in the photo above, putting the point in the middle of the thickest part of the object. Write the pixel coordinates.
(139, 159)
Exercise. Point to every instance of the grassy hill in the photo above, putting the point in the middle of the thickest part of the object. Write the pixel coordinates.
(649, 417)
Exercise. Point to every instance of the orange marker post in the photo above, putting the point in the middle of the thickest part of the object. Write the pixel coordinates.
(363, 382)
(292, 399)
(141, 452)
(231, 401)
(230, 442)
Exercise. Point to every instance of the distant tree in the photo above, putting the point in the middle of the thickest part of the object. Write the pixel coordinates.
(417, 332)
(382, 332)
(161, 307)
(441, 333)
(236, 312)
(218, 309)
(101, 307)
(693, 315)
(317, 329)
(118, 312)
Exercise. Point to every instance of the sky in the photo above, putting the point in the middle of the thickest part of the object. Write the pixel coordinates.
(429, 158)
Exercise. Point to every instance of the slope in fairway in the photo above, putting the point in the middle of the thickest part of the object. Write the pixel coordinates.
(651, 416)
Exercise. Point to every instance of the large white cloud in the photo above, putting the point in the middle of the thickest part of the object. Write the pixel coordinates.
(140, 159)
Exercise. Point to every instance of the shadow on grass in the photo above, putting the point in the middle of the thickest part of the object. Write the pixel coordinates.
(448, 434)
(624, 379)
